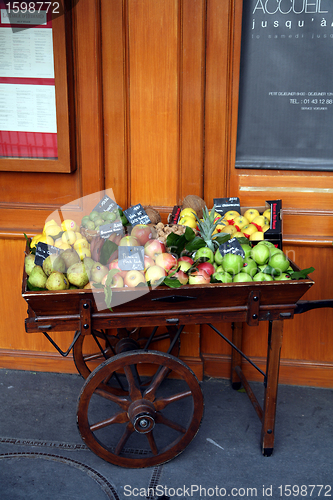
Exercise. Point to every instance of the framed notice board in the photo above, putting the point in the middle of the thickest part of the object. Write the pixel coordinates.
(285, 116)
(34, 103)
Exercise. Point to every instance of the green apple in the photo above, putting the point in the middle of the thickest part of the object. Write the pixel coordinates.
(262, 277)
(241, 277)
(260, 253)
(247, 249)
(223, 277)
(267, 243)
(249, 266)
(283, 276)
(218, 257)
(232, 263)
(273, 250)
(279, 261)
(206, 253)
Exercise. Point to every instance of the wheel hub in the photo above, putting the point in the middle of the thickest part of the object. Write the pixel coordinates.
(126, 344)
(142, 415)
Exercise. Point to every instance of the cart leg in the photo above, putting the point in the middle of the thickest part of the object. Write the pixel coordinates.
(236, 357)
(275, 335)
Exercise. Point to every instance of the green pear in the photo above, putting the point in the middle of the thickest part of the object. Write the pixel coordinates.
(89, 262)
(29, 263)
(37, 277)
(78, 274)
(57, 281)
(54, 262)
(70, 257)
(97, 272)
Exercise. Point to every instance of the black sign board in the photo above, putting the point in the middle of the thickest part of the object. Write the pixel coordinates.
(231, 246)
(137, 215)
(107, 229)
(276, 221)
(43, 250)
(224, 205)
(130, 258)
(285, 113)
(106, 205)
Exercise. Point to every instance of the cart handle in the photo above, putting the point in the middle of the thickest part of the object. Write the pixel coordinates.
(303, 306)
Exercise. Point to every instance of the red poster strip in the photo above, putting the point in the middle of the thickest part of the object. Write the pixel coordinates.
(28, 145)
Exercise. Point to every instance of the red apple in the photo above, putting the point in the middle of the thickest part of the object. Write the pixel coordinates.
(142, 233)
(183, 265)
(186, 258)
(179, 275)
(148, 261)
(133, 278)
(116, 282)
(199, 278)
(115, 265)
(206, 266)
(166, 260)
(154, 274)
(129, 241)
(153, 248)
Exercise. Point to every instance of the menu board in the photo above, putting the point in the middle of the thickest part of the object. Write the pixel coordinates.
(28, 122)
(285, 118)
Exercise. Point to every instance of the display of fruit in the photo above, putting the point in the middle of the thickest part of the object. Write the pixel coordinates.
(187, 253)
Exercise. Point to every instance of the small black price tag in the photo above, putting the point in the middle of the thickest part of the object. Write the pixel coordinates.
(43, 250)
(130, 258)
(223, 205)
(106, 205)
(137, 215)
(231, 246)
(107, 229)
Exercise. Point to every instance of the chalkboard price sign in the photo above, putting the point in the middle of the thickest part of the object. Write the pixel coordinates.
(43, 250)
(107, 229)
(137, 215)
(224, 205)
(106, 205)
(130, 258)
(231, 246)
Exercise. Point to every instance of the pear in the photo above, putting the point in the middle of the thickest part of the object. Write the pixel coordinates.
(53, 262)
(78, 274)
(70, 257)
(89, 262)
(29, 263)
(37, 277)
(57, 281)
(97, 272)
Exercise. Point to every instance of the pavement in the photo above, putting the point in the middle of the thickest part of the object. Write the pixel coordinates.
(43, 457)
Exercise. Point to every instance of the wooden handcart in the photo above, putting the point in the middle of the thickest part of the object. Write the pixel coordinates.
(139, 406)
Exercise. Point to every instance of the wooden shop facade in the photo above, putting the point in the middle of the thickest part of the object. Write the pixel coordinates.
(159, 99)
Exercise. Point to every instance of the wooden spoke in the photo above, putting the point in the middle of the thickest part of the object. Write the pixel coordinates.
(119, 418)
(121, 443)
(160, 419)
(160, 375)
(152, 443)
(160, 404)
(132, 379)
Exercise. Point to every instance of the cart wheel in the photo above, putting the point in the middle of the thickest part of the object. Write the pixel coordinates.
(151, 424)
(88, 352)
